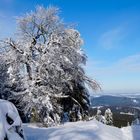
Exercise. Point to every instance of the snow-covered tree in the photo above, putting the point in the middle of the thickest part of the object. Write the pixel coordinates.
(46, 66)
(128, 123)
(3, 76)
(109, 117)
(99, 117)
(136, 121)
(6, 78)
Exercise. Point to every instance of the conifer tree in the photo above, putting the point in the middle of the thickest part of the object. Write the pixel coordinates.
(109, 117)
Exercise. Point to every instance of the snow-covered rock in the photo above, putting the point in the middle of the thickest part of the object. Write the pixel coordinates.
(10, 122)
(91, 130)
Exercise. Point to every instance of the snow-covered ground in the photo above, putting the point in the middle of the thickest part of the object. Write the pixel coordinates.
(91, 130)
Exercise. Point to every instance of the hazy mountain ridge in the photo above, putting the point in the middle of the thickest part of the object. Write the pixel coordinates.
(116, 100)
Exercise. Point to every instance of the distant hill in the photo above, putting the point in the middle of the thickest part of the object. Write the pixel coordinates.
(108, 100)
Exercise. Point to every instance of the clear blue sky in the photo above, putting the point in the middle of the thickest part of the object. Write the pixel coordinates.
(110, 29)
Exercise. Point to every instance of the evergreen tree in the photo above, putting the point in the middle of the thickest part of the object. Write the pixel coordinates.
(109, 117)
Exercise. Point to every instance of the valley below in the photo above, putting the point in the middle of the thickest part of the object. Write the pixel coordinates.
(125, 109)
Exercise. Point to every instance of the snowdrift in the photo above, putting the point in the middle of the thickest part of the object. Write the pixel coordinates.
(91, 130)
(10, 122)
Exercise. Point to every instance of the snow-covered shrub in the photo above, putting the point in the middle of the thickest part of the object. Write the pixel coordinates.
(109, 117)
(99, 117)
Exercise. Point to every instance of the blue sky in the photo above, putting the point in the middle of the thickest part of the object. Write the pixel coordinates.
(111, 33)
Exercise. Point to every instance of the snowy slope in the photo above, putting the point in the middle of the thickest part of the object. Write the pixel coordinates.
(132, 132)
(91, 130)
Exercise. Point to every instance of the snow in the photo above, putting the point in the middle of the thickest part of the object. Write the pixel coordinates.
(135, 101)
(14, 136)
(131, 132)
(82, 131)
(7, 109)
(128, 113)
